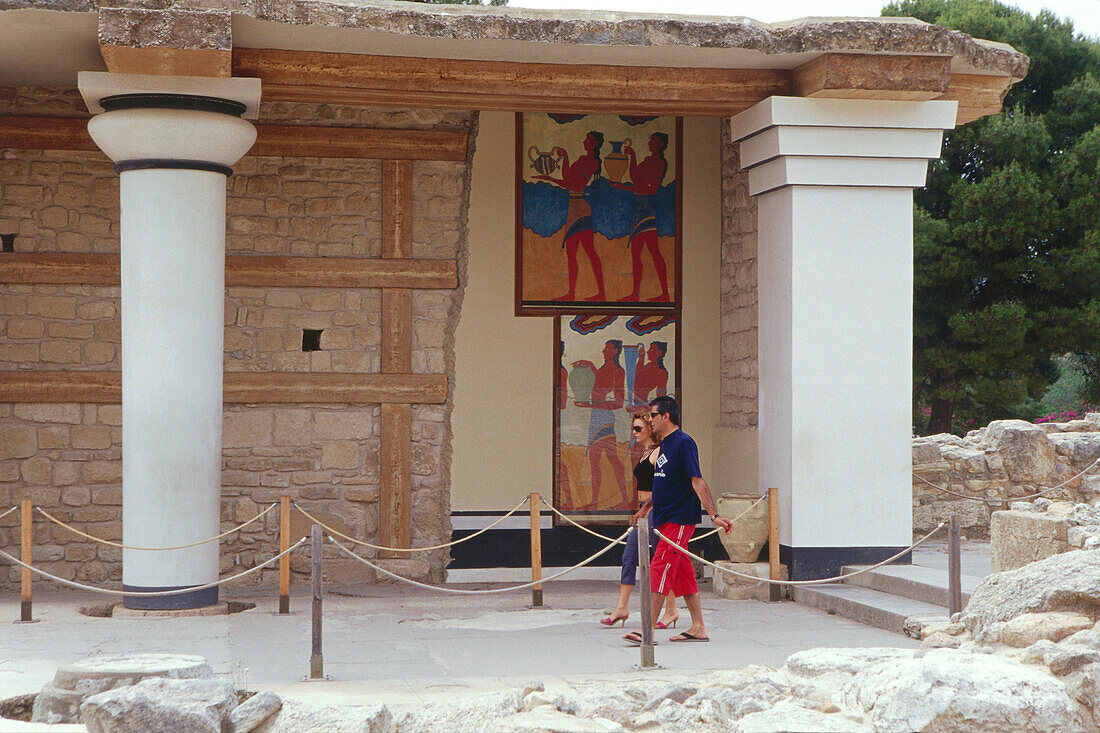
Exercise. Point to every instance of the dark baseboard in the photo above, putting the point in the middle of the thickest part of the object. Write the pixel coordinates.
(561, 547)
(180, 601)
(811, 563)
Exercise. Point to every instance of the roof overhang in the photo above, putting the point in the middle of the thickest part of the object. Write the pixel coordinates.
(470, 57)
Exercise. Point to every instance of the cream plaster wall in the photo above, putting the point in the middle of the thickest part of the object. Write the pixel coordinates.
(503, 399)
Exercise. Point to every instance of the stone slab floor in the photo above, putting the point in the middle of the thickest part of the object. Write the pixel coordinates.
(405, 646)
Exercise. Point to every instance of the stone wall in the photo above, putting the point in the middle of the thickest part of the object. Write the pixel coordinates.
(1006, 460)
(739, 297)
(67, 457)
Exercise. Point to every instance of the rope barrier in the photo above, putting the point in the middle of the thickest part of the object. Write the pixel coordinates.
(577, 524)
(76, 531)
(181, 591)
(9, 511)
(818, 581)
(603, 537)
(338, 533)
(989, 500)
(456, 591)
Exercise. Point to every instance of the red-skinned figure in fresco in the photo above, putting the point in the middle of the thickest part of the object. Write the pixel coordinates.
(579, 232)
(608, 395)
(645, 181)
(650, 380)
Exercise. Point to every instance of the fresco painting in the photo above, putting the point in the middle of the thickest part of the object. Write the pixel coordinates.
(599, 209)
(608, 366)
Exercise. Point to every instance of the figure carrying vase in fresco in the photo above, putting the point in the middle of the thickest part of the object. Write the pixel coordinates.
(579, 231)
(608, 394)
(645, 181)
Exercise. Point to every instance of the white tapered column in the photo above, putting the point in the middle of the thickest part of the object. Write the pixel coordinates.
(834, 180)
(173, 152)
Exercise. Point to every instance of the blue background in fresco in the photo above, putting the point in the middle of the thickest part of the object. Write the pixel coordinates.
(545, 205)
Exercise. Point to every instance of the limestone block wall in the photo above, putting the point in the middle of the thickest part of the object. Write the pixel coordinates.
(1005, 460)
(739, 298)
(67, 457)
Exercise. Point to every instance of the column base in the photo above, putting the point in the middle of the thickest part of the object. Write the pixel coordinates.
(196, 599)
(811, 563)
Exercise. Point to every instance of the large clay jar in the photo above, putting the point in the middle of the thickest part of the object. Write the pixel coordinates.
(616, 162)
(749, 532)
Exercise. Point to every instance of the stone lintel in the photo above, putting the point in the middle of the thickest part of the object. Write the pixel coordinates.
(873, 76)
(170, 42)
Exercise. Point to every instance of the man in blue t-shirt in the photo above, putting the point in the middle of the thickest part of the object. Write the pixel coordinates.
(679, 495)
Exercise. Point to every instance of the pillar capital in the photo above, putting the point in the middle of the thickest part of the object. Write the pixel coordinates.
(151, 121)
(790, 141)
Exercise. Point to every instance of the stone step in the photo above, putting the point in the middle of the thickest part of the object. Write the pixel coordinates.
(917, 582)
(871, 607)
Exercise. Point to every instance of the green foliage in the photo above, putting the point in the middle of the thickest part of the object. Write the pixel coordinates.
(1007, 231)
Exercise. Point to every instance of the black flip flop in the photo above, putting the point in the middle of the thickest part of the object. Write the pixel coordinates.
(635, 639)
(685, 636)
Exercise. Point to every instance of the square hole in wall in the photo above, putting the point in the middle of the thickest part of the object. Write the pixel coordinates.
(8, 242)
(311, 339)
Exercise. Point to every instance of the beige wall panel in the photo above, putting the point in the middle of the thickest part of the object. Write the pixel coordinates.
(700, 355)
(503, 364)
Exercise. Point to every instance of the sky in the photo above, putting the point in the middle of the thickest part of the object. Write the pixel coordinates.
(1085, 14)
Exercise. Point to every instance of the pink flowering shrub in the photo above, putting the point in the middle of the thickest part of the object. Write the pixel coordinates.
(1077, 413)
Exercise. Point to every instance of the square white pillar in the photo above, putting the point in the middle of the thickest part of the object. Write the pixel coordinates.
(833, 180)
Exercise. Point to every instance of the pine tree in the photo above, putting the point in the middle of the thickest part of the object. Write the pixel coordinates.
(1007, 231)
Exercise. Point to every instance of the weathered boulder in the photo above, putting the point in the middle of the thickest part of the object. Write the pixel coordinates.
(1066, 582)
(737, 588)
(1087, 690)
(941, 640)
(818, 673)
(300, 717)
(1064, 660)
(196, 706)
(1025, 449)
(548, 718)
(789, 717)
(947, 690)
(251, 713)
(1028, 628)
(1020, 537)
(59, 701)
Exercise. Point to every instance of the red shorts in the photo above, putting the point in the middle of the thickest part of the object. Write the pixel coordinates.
(671, 571)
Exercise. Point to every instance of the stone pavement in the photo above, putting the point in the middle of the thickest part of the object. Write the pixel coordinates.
(406, 646)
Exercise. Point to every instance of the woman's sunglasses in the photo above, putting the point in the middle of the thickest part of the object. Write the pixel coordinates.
(636, 428)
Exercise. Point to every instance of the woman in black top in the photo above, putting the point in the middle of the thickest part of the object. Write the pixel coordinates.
(643, 484)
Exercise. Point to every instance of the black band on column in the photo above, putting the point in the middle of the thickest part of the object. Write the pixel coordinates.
(195, 599)
(146, 164)
(172, 101)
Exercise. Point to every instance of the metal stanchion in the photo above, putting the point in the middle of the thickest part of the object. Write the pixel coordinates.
(774, 591)
(284, 563)
(26, 605)
(954, 567)
(642, 530)
(536, 552)
(316, 658)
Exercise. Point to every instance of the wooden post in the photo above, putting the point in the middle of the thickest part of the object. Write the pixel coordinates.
(536, 551)
(316, 658)
(773, 544)
(27, 556)
(954, 567)
(284, 562)
(642, 529)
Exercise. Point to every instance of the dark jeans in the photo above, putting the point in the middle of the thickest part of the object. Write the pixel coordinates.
(630, 556)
